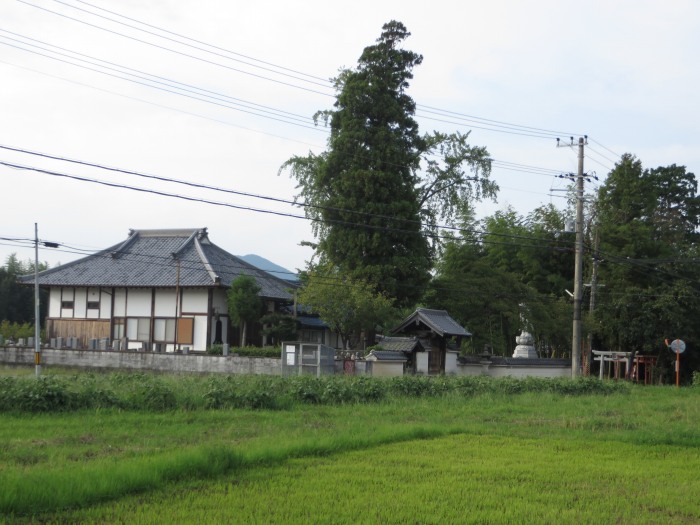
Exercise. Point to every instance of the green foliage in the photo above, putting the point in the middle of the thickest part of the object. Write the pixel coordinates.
(280, 327)
(216, 349)
(490, 283)
(348, 306)
(257, 351)
(16, 331)
(244, 303)
(158, 393)
(372, 205)
(648, 223)
(16, 300)
(246, 351)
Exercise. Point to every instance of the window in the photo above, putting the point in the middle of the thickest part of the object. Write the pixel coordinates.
(67, 305)
(93, 305)
(118, 331)
(138, 328)
(164, 330)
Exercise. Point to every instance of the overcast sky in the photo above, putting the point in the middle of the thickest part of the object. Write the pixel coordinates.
(252, 74)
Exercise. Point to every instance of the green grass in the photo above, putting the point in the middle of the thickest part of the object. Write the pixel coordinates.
(453, 479)
(532, 449)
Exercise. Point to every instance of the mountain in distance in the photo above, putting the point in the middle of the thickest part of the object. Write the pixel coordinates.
(269, 267)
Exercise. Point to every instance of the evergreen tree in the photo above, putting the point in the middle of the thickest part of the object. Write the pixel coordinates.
(373, 207)
(648, 221)
(244, 303)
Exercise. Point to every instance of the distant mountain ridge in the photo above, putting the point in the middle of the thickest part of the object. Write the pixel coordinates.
(269, 267)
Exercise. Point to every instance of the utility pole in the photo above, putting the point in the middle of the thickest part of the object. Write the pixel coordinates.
(576, 339)
(578, 269)
(37, 320)
(594, 293)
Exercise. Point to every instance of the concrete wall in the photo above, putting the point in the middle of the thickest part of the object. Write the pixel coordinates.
(490, 369)
(12, 355)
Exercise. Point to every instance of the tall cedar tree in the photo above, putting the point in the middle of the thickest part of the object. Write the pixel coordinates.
(372, 210)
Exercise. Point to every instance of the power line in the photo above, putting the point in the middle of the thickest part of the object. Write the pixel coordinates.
(162, 106)
(178, 91)
(177, 52)
(495, 125)
(324, 80)
(285, 214)
(218, 189)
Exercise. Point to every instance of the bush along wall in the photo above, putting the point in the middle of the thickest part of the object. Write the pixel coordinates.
(140, 391)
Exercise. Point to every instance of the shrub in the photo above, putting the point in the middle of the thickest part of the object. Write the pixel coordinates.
(252, 351)
(16, 330)
(42, 394)
(216, 350)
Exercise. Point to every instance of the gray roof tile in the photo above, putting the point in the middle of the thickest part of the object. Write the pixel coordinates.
(150, 258)
(400, 344)
(439, 321)
(387, 355)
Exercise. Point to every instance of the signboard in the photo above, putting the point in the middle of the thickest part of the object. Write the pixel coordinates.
(291, 354)
(677, 346)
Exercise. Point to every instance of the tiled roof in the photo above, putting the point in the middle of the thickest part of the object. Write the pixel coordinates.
(439, 321)
(386, 355)
(400, 344)
(162, 258)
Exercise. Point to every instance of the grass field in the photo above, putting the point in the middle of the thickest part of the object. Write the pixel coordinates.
(631, 456)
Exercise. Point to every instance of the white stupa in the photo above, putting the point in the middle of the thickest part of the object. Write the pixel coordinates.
(525, 348)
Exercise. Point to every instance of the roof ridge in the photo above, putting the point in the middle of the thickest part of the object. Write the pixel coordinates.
(133, 235)
(184, 245)
(207, 265)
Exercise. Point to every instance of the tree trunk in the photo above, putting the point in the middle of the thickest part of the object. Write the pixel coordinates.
(244, 327)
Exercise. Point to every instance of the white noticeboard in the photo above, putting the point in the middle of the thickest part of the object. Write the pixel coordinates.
(290, 350)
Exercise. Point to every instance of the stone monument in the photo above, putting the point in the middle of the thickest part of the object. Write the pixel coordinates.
(525, 348)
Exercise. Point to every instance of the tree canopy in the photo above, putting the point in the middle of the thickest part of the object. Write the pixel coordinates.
(348, 306)
(16, 300)
(648, 221)
(244, 303)
(507, 273)
(376, 194)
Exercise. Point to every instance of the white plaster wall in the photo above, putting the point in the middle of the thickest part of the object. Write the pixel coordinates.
(195, 301)
(120, 302)
(165, 303)
(93, 295)
(451, 363)
(67, 294)
(200, 333)
(384, 369)
(105, 304)
(55, 302)
(80, 303)
(529, 371)
(422, 362)
(513, 371)
(138, 303)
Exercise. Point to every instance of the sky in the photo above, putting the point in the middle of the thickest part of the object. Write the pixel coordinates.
(222, 93)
